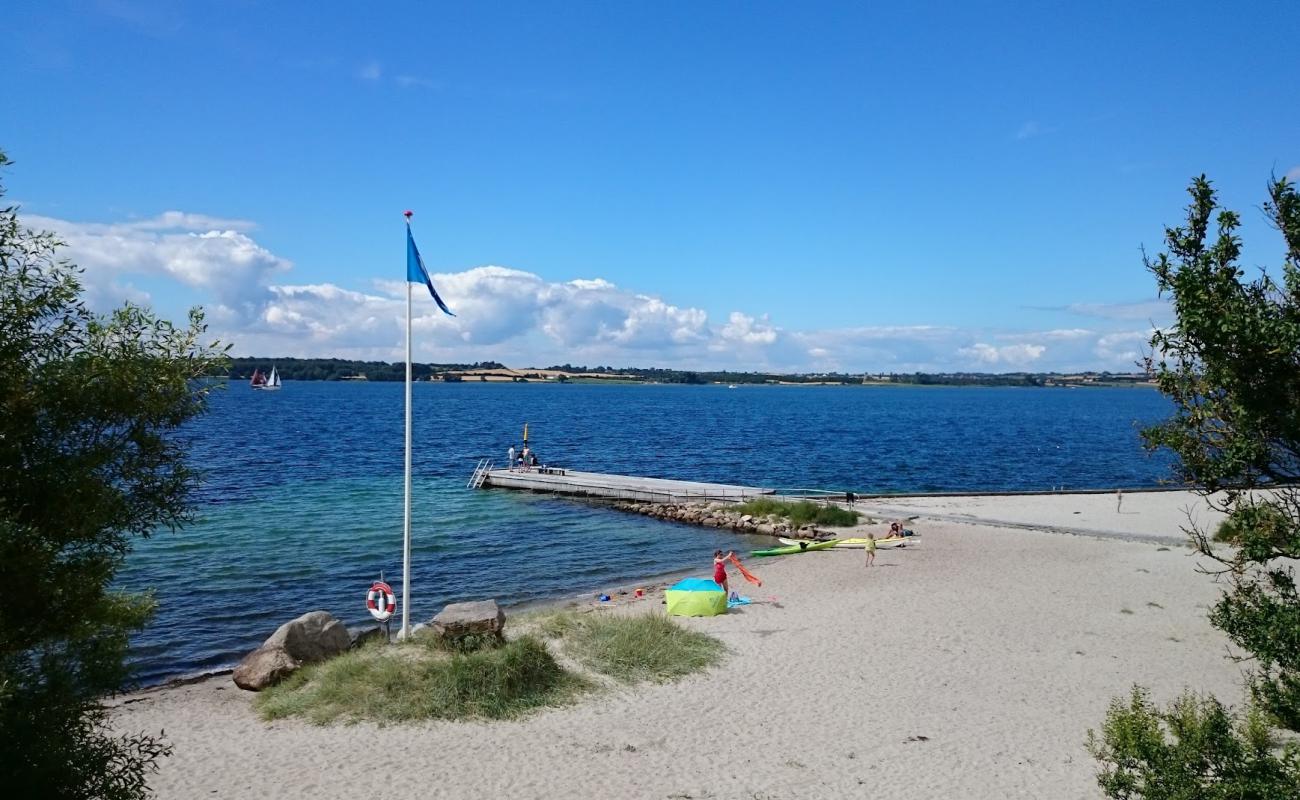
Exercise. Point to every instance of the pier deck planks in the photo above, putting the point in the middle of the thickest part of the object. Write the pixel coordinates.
(624, 487)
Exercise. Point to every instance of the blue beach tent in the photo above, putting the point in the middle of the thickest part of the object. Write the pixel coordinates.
(696, 597)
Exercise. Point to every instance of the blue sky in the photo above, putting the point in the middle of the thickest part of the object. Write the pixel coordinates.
(855, 186)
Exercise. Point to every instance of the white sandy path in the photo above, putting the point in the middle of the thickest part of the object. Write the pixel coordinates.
(1002, 647)
(1149, 516)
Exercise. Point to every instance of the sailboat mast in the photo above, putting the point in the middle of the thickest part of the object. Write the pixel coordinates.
(406, 518)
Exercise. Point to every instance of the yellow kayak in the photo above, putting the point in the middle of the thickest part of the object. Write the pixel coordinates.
(895, 541)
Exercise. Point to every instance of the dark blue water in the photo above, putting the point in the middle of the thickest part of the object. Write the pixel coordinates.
(302, 502)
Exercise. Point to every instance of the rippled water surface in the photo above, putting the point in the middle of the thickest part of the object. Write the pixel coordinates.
(302, 504)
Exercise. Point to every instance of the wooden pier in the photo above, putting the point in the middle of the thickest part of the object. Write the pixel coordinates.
(554, 480)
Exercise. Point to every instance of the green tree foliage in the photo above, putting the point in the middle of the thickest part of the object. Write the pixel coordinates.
(1231, 364)
(1194, 750)
(89, 408)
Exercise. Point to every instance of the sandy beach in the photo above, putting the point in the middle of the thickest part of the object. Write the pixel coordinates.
(969, 666)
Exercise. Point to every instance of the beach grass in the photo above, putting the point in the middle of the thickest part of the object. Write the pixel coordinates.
(419, 681)
(801, 512)
(426, 678)
(631, 649)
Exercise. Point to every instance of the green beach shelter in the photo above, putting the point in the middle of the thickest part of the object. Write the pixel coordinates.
(696, 597)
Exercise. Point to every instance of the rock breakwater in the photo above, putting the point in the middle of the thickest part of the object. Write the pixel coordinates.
(720, 515)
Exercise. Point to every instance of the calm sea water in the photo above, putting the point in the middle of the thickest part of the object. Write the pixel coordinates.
(302, 503)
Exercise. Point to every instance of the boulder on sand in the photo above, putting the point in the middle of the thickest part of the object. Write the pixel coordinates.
(463, 619)
(263, 667)
(315, 636)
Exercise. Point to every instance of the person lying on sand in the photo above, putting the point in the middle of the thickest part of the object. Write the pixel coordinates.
(897, 531)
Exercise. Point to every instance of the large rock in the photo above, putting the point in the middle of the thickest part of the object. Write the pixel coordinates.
(315, 636)
(463, 619)
(263, 667)
(366, 635)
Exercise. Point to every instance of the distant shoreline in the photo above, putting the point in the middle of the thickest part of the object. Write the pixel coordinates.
(755, 385)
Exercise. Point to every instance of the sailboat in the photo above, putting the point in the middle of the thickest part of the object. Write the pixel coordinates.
(268, 383)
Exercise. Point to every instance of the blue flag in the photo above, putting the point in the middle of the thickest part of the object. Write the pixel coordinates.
(416, 273)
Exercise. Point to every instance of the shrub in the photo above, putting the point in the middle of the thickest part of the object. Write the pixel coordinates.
(1194, 750)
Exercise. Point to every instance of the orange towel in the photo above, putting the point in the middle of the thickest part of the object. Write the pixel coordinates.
(749, 576)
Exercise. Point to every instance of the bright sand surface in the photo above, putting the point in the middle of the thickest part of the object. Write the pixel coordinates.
(969, 666)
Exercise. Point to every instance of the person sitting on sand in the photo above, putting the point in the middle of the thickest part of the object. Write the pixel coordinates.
(720, 570)
(870, 547)
(895, 530)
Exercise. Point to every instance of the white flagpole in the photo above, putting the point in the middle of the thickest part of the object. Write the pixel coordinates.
(406, 519)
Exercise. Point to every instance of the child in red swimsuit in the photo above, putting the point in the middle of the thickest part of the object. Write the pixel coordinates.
(720, 570)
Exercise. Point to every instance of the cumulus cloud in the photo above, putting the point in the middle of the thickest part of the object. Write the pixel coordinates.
(1123, 347)
(201, 252)
(745, 329)
(1012, 355)
(520, 318)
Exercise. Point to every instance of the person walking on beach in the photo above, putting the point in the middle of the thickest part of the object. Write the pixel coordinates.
(510, 458)
(720, 570)
(870, 547)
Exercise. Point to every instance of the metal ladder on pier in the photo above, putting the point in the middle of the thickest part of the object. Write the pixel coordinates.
(480, 473)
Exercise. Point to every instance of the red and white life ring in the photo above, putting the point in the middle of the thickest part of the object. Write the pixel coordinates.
(380, 601)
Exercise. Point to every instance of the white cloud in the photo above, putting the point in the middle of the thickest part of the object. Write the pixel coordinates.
(1124, 347)
(370, 71)
(745, 329)
(1143, 309)
(192, 249)
(1012, 355)
(411, 81)
(520, 318)
(1029, 130)
(1293, 174)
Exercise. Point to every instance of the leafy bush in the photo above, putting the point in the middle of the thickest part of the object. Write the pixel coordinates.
(1194, 750)
(88, 460)
(1256, 519)
(1228, 363)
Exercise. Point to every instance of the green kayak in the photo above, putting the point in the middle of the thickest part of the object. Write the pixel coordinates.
(794, 548)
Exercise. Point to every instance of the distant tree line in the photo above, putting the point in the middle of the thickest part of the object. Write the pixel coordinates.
(337, 369)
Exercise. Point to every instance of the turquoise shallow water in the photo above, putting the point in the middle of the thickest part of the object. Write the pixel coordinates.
(302, 503)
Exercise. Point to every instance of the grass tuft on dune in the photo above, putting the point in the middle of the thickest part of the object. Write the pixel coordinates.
(798, 513)
(418, 681)
(631, 649)
(427, 679)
